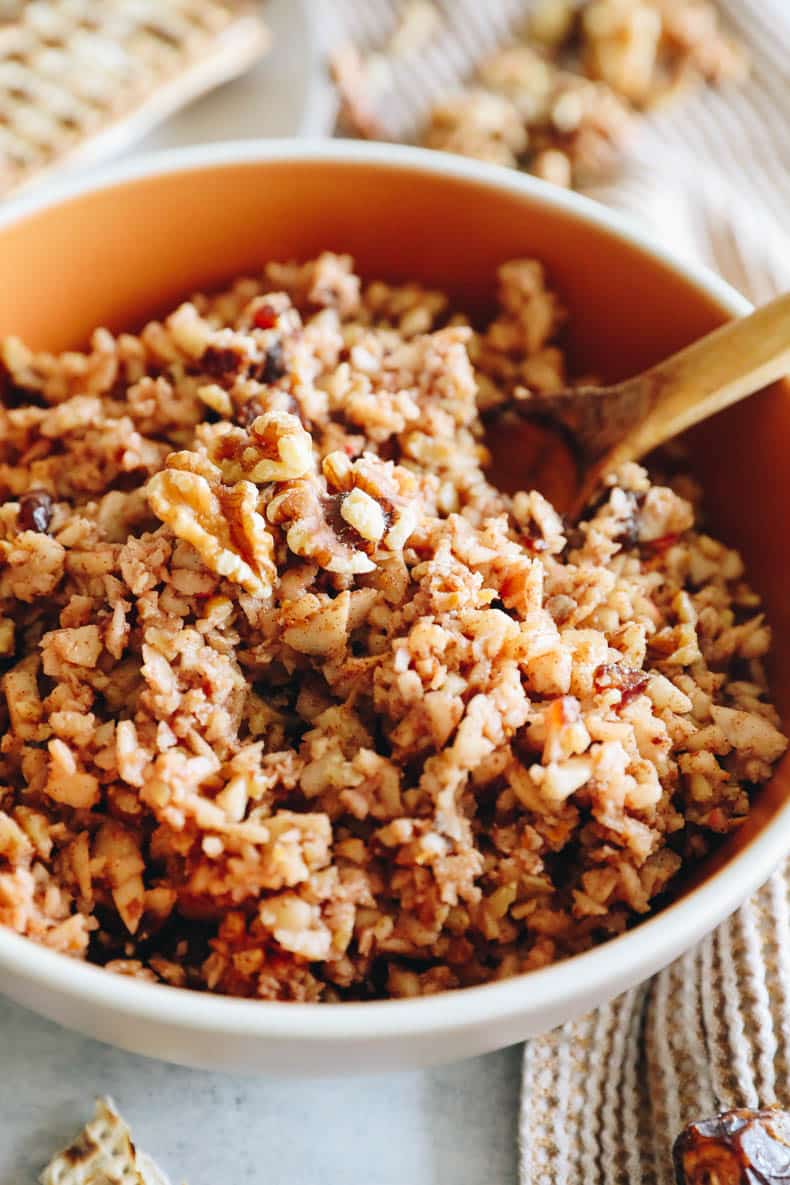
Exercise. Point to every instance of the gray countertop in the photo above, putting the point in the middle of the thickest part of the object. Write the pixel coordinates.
(455, 1125)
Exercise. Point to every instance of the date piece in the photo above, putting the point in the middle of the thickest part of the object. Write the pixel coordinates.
(739, 1147)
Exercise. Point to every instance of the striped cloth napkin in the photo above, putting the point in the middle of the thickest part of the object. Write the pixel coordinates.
(604, 1097)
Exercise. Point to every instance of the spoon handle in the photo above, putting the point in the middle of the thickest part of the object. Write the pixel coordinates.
(734, 361)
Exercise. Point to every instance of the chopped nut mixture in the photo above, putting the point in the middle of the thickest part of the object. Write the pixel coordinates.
(561, 103)
(297, 705)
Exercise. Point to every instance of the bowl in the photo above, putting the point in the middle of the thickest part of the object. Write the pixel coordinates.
(88, 254)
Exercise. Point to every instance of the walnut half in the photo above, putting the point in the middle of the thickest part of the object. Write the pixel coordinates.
(221, 522)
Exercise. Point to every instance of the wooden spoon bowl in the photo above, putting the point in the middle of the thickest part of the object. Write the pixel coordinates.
(572, 438)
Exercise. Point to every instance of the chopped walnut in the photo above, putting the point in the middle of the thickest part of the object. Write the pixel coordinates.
(364, 514)
(694, 40)
(66, 782)
(317, 625)
(118, 855)
(551, 22)
(353, 78)
(340, 521)
(622, 41)
(553, 166)
(586, 122)
(20, 687)
(418, 23)
(559, 103)
(221, 522)
(275, 447)
(296, 925)
(530, 112)
(216, 398)
(308, 517)
(523, 76)
(478, 123)
(325, 282)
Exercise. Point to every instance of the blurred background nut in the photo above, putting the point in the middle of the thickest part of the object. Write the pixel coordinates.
(551, 22)
(523, 76)
(480, 124)
(622, 42)
(569, 85)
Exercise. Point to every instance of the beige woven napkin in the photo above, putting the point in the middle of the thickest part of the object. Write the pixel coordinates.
(603, 1098)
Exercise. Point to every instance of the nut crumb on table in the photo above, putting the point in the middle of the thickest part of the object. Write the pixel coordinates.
(297, 705)
(564, 101)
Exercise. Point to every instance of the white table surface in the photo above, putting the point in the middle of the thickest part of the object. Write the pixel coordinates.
(455, 1125)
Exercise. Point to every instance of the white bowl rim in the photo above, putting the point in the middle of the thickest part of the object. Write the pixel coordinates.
(571, 982)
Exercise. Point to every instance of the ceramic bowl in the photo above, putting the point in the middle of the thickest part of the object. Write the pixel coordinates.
(84, 255)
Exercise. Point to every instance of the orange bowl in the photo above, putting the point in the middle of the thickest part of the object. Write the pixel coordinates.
(149, 233)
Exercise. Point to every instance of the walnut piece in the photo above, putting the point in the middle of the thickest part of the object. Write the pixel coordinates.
(561, 104)
(478, 123)
(275, 447)
(622, 43)
(340, 519)
(221, 522)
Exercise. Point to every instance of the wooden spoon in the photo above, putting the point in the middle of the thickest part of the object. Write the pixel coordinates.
(577, 436)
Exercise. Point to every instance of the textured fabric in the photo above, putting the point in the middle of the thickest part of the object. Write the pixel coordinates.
(710, 172)
(604, 1097)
